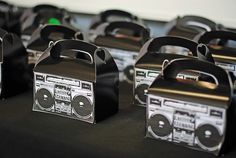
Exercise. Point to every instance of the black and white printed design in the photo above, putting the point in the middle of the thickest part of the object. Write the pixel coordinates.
(25, 39)
(194, 125)
(125, 61)
(64, 96)
(33, 56)
(144, 78)
(175, 50)
(227, 66)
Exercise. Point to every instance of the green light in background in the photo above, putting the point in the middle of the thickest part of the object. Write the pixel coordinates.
(54, 21)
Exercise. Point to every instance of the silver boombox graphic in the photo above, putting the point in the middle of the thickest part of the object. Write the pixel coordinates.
(64, 96)
(194, 125)
(175, 50)
(144, 78)
(227, 66)
(33, 56)
(125, 61)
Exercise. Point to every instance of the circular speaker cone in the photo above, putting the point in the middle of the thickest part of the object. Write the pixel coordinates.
(141, 92)
(160, 125)
(208, 135)
(129, 73)
(82, 106)
(44, 98)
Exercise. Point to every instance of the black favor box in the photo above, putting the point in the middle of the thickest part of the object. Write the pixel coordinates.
(114, 15)
(14, 65)
(39, 8)
(219, 46)
(78, 80)
(10, 17)
(123, 40)
(47, 33)
(32, 18)
(190, 26)
(195, 114)
(150, 61)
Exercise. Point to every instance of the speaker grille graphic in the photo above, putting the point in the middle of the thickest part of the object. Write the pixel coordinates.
(208, 135)
(160, 125)
(44, 98)
(82, 106)
(129, 72)
(186, 123)
(64, 96)
(141, 92)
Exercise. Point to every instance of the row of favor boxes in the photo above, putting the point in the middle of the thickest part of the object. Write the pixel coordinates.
(189, 101)
(185, 84)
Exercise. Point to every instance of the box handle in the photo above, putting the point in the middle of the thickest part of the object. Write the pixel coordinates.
(79, 48)
(67, 32)
(207, 37)
(156, 44)
(198, 22)
(176, 66)
(143, 32)
(44, 7)
(114, 12)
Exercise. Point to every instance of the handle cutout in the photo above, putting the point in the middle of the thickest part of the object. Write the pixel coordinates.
(198, 25)
(101, 54)
(79, 36)
(78, 55)
(169, 49)
(214, 73)
(113, 18)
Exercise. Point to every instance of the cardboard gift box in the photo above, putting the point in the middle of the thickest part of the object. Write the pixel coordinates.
(190, 26)
(9, 17)
(45, 34)
(14, 75)
(152, 58)
(114, 15)
(195, 114)
(123, 40)
(78, 80)
(32, 18)
(223, 54)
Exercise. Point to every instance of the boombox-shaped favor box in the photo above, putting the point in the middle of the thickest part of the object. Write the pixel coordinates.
(13, 65)
(32, 18)
(190, 26)
(114, 15)
(45, 34)
(223, 54)
(123, 40)
(151, 59)
(196, 114)
(9, 17)
(78, 80)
